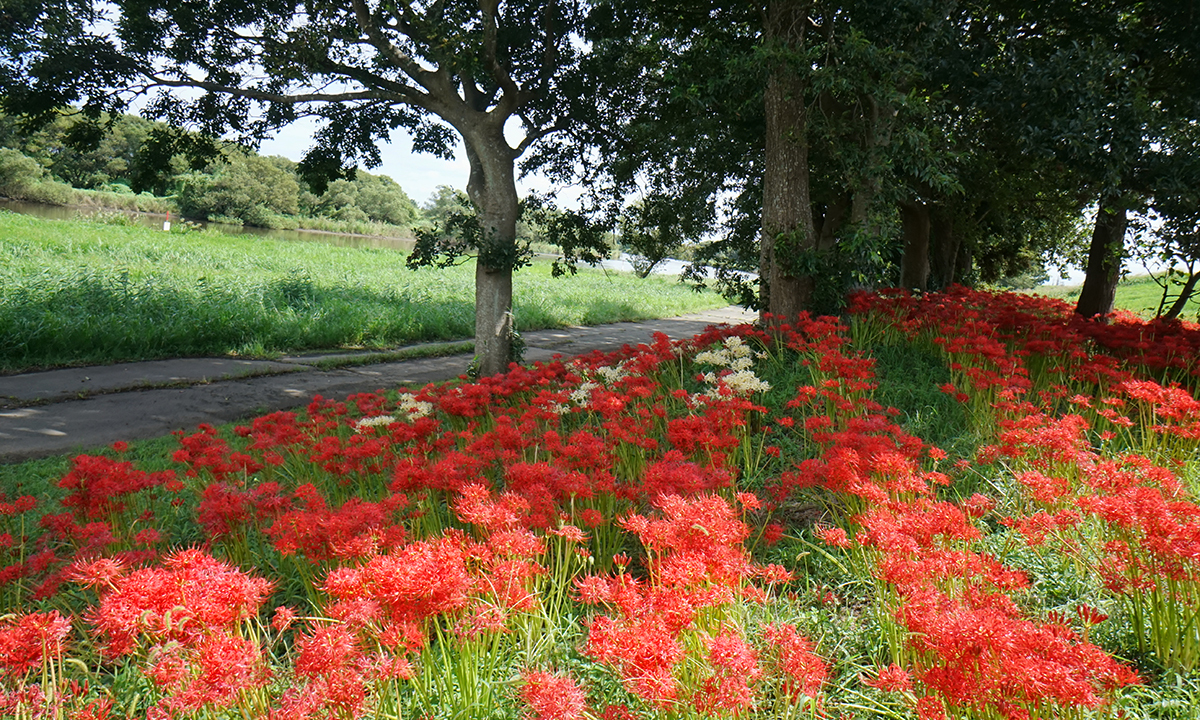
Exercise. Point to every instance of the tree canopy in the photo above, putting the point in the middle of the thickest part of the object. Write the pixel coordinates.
(439, 69)
(825, 145)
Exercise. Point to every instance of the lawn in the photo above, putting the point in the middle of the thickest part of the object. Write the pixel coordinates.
(74, 292)
(962, 505)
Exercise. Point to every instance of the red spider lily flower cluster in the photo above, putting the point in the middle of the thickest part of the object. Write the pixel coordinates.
(412, 538)
(187, 618)
(697, 567)
(968, 645)
(552, 697)
(1063, 387)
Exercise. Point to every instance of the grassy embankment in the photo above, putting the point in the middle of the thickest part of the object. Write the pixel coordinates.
(83, 292)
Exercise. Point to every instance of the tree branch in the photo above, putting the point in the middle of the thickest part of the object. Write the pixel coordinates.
(511, 99)
(425, 78)
(407, 93)
(535, 135)
(252, 94)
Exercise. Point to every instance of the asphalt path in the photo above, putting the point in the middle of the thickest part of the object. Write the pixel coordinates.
(79, 409)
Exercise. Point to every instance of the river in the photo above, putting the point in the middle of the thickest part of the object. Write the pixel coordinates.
(58, 212)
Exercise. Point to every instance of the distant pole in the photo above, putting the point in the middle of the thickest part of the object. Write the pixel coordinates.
(167, 222)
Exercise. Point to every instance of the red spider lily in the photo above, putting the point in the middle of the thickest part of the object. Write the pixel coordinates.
(227, 509)
(283, 618)
(674, 476)
(793, 659)
(412, 583)
(735, 671)
(21, 505)
(28, 641)
(892, 678)
(205, 452)
(644, 653)
(100, 487)
(276, 430)
(552, 697)
(978, 652)
(210, 672)
(333, 665)
(834, 537)
(101, 572)
(699, 541)
(319, 533)
(1090, 615)
(191, 596)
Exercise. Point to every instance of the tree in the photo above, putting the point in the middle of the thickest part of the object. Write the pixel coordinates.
(374, 198)
(246, 188)
(438, 68)
(1102, 87)
(775, 117)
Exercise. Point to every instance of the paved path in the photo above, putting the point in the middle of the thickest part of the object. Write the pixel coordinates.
(72, 410)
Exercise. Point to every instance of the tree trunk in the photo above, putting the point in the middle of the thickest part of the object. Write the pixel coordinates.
(943, 249)
(1185, 294)
(964, 263)
(914, 265)
(787, 220)
(493, 191)
(831, 222)
(1104, 259)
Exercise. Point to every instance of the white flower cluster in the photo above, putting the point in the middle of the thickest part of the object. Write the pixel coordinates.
(410, 406)
(741, 382)
(582, 396)
(735, 354)
(605, 375)
(611, 374)
(739, 357)
(374, 421)
(414, 408)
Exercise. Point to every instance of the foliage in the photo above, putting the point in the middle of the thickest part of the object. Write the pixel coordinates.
(22, 178)
(373, 198)
(438, 70)
(248, 188)
(239, 187)
(112, 161)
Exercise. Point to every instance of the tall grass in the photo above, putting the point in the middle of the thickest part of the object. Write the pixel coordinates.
(78, 292)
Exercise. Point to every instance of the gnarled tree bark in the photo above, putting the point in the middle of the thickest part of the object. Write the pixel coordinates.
(493, 191)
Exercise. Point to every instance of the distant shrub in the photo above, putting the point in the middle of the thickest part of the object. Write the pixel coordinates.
(50, 192)
(23, 178)
(18, 172)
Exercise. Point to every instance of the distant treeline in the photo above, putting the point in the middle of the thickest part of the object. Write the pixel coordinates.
(239, 186)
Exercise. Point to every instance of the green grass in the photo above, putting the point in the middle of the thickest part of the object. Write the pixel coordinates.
(1138, 294)
(77, 292)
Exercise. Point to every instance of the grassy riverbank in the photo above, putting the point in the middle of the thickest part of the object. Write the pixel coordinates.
(76, 292)
(1139, 294)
